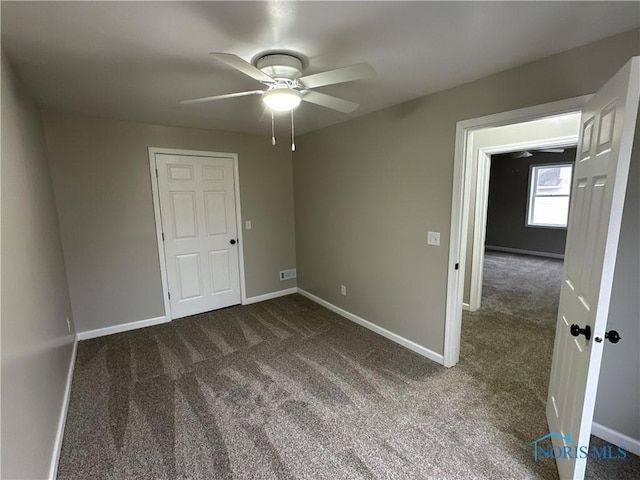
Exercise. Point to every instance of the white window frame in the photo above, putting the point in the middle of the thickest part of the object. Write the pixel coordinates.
(531, 195)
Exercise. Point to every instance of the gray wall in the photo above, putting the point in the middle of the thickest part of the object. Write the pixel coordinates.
(36, 345)
(102, 185)
(368, 190)
(618, 400)
(507, 206)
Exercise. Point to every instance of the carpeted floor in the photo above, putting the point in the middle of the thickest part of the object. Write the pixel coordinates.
(286, 389)
(520, 297)
(522, 285)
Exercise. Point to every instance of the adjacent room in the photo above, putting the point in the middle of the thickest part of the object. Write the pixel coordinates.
(527, 214)
(292, 240)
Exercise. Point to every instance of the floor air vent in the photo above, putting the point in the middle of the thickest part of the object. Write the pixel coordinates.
(288, 274)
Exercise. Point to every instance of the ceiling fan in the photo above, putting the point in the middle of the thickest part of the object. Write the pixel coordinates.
(281, 73)
(527, 153)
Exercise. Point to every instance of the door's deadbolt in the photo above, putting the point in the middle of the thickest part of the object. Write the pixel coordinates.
(612, 336)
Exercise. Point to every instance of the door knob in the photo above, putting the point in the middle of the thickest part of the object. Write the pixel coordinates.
(612, 336)
(233, 241)
(576, 331)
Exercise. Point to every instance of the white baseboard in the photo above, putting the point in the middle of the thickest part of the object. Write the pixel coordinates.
(394, 337)
(618, 439)
(269, 296)
(57, 448)
(524, 252)
(123, 327)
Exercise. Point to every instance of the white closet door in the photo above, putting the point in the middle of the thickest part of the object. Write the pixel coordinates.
(198, 211)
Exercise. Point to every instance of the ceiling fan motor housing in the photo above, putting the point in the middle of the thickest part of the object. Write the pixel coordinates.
(280, 66)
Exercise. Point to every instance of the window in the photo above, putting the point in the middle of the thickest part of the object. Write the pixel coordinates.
(549, 193)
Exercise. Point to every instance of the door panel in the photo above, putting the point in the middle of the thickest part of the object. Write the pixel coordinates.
(213, 173)
(600, 177)
(177, 173)
(189, 277)
(198, 213)
(183, 214)
(215, 213)
(220, 265)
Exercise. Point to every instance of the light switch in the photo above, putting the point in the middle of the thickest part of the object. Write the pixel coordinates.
(247, 225)
(433, 238)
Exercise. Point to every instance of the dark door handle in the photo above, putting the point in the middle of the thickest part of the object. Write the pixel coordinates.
(233, 241)
(612, 336)
(576, 331)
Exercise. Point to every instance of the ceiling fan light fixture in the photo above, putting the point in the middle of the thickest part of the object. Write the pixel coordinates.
(282, 99)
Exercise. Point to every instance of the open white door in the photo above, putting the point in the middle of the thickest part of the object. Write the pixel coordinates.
(599, 184)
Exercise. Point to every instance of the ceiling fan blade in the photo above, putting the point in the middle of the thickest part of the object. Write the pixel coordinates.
(242, 66)
(339, 75)
(220, 97)
(522, 154)
(329, 101)
(552, 150)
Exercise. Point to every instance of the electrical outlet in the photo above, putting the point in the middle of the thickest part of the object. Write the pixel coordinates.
(68, 325)
(433, 238)
(343, 290)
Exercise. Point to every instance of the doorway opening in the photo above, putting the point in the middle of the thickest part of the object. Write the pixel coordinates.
(463, 192)
(520, 257)
(518, 149)
(510, 333)
(508, 351)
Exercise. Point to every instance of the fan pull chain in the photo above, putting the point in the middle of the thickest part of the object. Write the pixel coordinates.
(273, 130)
(293, 138)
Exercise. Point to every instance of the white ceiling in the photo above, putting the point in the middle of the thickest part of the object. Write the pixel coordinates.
(137, 60)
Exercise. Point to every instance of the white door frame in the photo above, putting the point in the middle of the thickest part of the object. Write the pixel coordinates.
(479, 227)
(156, 211)
(460, 206)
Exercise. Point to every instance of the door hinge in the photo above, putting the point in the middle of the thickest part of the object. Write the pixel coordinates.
(169, 294)
(163, 236)
(156, 173)
(457, 266)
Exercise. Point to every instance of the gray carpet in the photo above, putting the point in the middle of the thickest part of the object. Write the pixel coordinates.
(522, 285)
(508, 343)
(286, 389)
